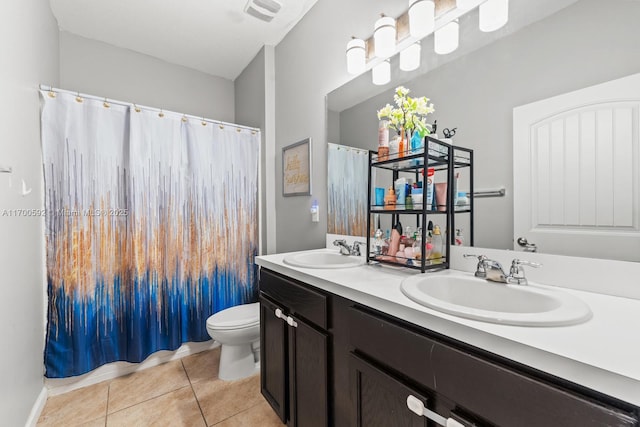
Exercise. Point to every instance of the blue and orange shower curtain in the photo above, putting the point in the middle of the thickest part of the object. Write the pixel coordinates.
(151, 227)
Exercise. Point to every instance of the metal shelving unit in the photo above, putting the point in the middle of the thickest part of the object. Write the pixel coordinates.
(442, 157)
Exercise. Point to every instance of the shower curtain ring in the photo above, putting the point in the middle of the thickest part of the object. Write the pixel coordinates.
(79, 98)
(51, 93)
(204, 123)
(161, 113)
(106, 104)
(184, 118)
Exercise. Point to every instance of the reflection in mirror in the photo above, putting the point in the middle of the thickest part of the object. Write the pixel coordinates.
(548, 48)
(347, 202)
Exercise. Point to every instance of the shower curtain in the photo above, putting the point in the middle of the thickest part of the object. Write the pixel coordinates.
(151, 227)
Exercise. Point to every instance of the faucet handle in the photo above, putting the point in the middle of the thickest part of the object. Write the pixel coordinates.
(518, 262)
(516, 272)
(480, 268)
(356, 247)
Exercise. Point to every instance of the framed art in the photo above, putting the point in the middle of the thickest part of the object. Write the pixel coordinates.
(296, 169)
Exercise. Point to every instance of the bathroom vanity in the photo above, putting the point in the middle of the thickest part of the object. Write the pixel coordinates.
(344, 347)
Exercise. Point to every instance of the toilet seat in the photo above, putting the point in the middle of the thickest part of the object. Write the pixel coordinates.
(238, 317)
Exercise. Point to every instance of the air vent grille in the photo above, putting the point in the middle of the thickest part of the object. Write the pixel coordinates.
(264, 10)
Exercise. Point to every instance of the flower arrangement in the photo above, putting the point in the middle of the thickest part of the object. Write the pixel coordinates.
(409, 113)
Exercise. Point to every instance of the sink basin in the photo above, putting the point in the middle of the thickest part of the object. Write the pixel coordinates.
(474, 298)
(325, 258)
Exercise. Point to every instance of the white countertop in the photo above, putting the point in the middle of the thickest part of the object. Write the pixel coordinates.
(602, 354)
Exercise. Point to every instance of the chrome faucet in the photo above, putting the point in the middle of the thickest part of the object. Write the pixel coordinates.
(345, 249)
(488, 269)
(492, 270)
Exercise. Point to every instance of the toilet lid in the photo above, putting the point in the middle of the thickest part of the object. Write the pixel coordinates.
(236, 317)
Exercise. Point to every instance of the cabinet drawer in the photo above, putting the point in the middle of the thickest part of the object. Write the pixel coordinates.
(494, 392)
(296, 298)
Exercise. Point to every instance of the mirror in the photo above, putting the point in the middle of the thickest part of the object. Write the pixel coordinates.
(548, 48)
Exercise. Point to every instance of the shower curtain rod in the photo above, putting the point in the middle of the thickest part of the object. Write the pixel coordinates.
(158, 110)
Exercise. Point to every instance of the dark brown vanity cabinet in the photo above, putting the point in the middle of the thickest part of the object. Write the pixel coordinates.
(294, 351)
(328, 361)
(458, 384)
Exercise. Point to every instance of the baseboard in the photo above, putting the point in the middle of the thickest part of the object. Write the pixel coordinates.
(37, 408)
(57, 386)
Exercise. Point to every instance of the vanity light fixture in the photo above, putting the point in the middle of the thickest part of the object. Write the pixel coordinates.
(384, 36)
(381, 73)
(422, 18)
(404, 34)
(447, 38)
(494, 14)
(356, 56)
(410, 57)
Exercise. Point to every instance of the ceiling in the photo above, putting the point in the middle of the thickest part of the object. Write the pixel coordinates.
(212, 36)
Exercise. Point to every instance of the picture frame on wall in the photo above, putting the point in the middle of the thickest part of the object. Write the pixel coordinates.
(296, 169)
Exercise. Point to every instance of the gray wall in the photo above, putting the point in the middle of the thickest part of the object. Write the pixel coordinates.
(587, 43)
(29, 46)
(310, 62)
(101, 69)
(249, 89)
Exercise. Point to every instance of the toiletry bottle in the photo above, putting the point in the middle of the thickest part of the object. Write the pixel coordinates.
(463, 201)
(390, 199)
(378, 242)
(385, 245)
(393, 146)
(402, 145)
(437, 253)
(416, 143)
(429, 188)
(417, 245)
(400, 187)
(408, 202)
(383, 141)
(459, 238)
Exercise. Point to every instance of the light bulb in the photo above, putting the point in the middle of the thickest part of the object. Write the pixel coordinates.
(384, 37)
(494, 14)
(381, 73)
(446, 38)
(422, 18)
(356, 56)
(410, 57)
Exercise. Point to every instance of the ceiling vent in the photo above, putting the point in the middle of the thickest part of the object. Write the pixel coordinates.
(264, 10)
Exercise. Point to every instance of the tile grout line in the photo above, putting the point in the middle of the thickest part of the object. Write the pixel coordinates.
(237, 413)
(106, 415)
(154, 397)
(195, 396)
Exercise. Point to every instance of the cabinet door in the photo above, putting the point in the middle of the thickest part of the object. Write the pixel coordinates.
(380, 399)
(308, 350)
(273, 357)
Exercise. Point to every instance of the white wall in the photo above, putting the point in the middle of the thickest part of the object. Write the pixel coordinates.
(310, 62)
(101, 69)
(29, 46)
(477, 92)
(254, 107)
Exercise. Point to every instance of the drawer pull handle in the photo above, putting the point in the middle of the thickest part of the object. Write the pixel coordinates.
(415, 405)
(292, 322)
(279, 314)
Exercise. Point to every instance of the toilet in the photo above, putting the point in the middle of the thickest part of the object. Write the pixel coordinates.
(237, 329)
